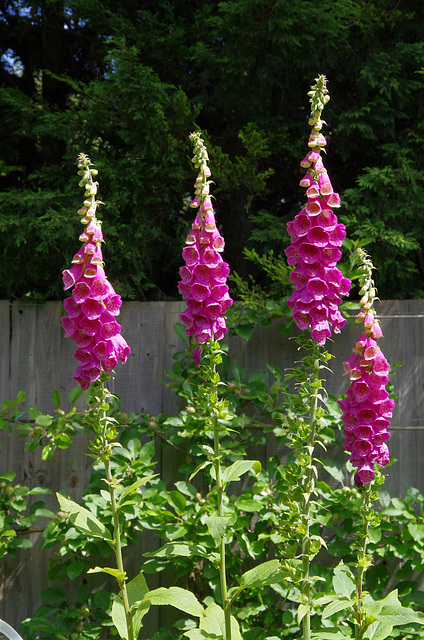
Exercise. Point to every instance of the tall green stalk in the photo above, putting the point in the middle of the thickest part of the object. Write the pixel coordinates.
(214, 403)
(101, 445)
(307, 491)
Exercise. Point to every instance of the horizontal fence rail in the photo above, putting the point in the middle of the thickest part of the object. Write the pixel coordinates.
(36, 357)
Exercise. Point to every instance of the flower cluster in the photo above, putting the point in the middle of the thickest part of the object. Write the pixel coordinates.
(367, 407)
(94, 304)
(204, 275)
(316, 236)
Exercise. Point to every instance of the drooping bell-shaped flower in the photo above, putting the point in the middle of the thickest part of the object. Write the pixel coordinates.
(367, 409)
(94, 303)
(203, 283)
(316, 236)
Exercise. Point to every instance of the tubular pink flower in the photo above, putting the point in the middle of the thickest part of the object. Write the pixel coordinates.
(316, 236)
(93, 306)
(367, 407)
(204, 275)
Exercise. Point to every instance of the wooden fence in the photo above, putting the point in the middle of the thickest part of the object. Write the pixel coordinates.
(35, 357)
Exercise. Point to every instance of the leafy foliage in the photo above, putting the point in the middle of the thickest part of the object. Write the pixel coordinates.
(126, 85)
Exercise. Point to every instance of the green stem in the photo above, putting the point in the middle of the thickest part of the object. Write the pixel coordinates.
(115, 514)
(362, 563)
(308, 488)
(220, 490)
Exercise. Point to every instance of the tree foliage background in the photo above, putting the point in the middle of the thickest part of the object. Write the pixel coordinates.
(126, 82)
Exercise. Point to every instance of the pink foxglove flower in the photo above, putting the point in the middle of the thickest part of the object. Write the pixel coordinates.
(316, 236)
(94, 304)
(204, 276)
(367, 409)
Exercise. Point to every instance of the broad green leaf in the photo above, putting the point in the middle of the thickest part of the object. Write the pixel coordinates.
(390, 611)
(199, 467)
(216, 526)
(177, 500)
(343, 580)
(237, 371)
(237, 469)
(186, 488)
(178, 550)
(133, 488)
(53, 594)
(266, 573)
(338, 605)
(176, 597)
(330, 633)
(83, 519)
(112, 572)
(74, 394)
(43, 420)
(56, 398)
(248, 503)
(8, 476)
(334, 468)
(199, 634)
(302, 610)
(136, 589)
(378, 631)
(244, 331)
(213, 623)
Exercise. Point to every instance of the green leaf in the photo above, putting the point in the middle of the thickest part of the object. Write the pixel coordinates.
(237, 469)
(343, 580)
(136, 590)
(180, 330)
(178, 550)
(133, 487)
(74, 394)
(216, 526)
(112, 572)
(330, 633)
(83, 519)
(266, 573)
(176, 597)
(390, 611)
(302, 610)
(199, 467)
(74, 569)
(53, 594)
(44, 420)
(334, 468)
(56, 398)
(244, 331)
(237, 371)
(378, 631)
(337, 605)
(213, 623)
(248, 503)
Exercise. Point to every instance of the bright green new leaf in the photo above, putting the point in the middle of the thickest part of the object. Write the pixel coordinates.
(341, 603)
(56, 398)
(301, 612)
(213, 623)
(136, 589)
(343, 580)
(176, 597)
(266, 573)
(330, 633)
(178, 550)
(237, 469)
(216, 526)
(378, 631)
(390, 611)
(83, 519)
(128, 490)
(112, 572)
